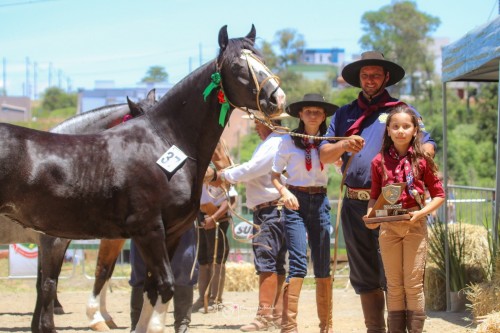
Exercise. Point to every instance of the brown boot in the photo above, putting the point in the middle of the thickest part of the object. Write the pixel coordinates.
(267, 293)
(278, 302)
(324, 304)
(409, 318)
(291, 296)
(204, 273)
(373, 304)
(417, 322)
(396, 321)
(217, 288)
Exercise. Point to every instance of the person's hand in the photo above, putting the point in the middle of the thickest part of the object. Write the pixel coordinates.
(209, 222)
(353, 144)
(218, 181)
(289, 200)
(416, 215)
(370, 225)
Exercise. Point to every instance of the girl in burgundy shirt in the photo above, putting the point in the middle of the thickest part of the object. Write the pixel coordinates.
(403, 244)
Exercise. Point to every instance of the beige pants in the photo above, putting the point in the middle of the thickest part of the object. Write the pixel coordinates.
(403, 246)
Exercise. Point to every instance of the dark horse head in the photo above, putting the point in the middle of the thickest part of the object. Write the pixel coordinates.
(111, 184)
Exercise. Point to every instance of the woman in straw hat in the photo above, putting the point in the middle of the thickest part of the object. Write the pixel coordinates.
(364, 121)
(307, 210)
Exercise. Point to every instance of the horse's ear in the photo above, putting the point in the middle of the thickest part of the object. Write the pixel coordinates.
(134, 108)
(151, 96)
(251, 35)
(223, 38)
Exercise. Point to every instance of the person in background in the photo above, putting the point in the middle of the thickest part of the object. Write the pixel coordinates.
(269, 246)
(214, 246)
(307, 209)
(403, 244)
(182, 263)
(363, 121)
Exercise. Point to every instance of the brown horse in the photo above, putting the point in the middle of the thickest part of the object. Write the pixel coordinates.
(142, 179)
(109, 250)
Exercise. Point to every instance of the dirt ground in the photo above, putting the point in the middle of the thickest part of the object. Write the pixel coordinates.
(16, 309)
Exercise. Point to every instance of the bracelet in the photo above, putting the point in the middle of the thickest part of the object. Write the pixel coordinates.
(213, 218)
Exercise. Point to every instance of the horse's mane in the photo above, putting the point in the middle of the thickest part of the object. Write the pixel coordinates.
(77, 123)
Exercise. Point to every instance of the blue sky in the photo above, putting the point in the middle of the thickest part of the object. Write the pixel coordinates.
(85, 41)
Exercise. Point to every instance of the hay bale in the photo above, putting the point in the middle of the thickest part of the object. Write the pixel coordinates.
(491, 324)
(485, 297)
(476, 257)
(434, 288)
(241, 277)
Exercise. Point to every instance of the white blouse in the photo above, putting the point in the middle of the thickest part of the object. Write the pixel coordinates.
(293, 160)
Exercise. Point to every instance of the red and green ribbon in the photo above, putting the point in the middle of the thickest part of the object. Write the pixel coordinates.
(214, 84)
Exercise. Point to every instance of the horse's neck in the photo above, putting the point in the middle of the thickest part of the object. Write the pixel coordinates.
(92, 121)
(186, 120)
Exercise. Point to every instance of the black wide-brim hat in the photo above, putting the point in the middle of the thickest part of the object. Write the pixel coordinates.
(311, 100)
(350, 73)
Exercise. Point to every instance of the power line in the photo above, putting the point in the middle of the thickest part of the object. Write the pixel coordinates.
(32, 2)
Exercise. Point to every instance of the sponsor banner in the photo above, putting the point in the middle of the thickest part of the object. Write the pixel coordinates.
(23, 260)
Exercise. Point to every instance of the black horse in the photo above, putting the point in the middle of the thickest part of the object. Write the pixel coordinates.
(109, 185)
(51, 250)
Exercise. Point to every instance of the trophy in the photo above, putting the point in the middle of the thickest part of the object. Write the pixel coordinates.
(385, 208)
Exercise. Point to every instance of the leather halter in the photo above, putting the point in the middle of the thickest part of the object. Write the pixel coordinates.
(250, 57)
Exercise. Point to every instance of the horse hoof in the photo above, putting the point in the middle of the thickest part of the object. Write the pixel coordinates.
(111, 324)
(58, 310)
(99, 327)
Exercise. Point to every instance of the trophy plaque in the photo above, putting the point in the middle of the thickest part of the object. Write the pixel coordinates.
(385, 208)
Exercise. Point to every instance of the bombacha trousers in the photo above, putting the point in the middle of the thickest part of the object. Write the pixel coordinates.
(403, 246)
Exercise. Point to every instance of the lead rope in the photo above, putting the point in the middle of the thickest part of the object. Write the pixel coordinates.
(337, 220)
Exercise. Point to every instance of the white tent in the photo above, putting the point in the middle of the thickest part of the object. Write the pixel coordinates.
(473, 58)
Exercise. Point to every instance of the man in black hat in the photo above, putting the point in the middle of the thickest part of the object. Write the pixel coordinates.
(363, 120)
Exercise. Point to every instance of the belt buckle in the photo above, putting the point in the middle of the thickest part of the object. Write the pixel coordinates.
(363, 195)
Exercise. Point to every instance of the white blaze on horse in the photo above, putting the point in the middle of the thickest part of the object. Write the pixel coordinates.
(109, 185)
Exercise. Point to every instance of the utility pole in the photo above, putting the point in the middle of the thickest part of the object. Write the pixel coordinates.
(27, 85)
(50, 74)
(59, 79)
(35, 79)
(201, 57)
(4, 76)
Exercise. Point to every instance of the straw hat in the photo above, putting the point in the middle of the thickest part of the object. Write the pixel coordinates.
(350, 73)
(311, 100)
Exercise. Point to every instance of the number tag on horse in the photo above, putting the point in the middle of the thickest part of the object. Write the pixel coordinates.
(171, 160)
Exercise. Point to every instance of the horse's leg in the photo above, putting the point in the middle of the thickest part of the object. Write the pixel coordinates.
(51, 257)
(158, 287)
(97, 314)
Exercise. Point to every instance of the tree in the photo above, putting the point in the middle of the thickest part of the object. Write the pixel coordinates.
(291, 45)
(155, 74)
(55, 98)
(401, 32)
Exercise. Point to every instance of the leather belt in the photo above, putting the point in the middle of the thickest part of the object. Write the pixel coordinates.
(362, 194)
(308, 189)
(267, 204)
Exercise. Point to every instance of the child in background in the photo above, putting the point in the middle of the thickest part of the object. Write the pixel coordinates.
(403, 244)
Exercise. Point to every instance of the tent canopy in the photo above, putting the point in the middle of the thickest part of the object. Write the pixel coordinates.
(474, 57)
